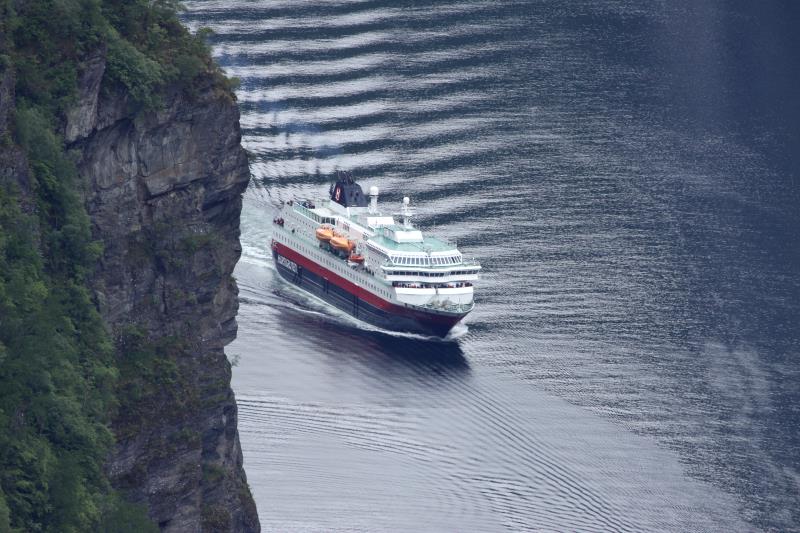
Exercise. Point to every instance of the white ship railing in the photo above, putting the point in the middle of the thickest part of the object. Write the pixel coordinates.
(437, 268)
(303, 210)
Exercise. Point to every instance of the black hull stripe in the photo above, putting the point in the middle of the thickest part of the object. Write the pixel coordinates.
(339, 297)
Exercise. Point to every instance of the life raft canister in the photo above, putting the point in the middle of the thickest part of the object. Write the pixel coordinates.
(342, 243)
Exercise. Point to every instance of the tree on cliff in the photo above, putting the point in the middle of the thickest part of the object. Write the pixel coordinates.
(58, 373)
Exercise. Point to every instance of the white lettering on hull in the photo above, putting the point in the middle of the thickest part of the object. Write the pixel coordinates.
(287, 263)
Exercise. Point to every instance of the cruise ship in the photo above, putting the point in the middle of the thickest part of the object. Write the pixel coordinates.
(375, 266)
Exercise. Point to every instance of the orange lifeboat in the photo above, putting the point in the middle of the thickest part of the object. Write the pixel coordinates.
(324, 234)
(356, 258)
(342, 243)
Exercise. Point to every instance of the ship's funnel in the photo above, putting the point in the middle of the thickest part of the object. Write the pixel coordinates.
(373, 199)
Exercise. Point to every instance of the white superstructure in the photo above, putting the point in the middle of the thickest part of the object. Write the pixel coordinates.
(393, 261)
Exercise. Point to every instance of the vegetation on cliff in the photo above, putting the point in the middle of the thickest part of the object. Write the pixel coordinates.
(58, 373)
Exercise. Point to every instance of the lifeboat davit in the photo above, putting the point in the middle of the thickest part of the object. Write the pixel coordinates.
(324, 234)
(342, 243)
(356, 258)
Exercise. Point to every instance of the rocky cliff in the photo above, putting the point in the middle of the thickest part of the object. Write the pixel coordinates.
(163, 191)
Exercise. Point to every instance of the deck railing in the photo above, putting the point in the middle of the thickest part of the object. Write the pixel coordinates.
(464, 262)
(306, 212)
(303, 210)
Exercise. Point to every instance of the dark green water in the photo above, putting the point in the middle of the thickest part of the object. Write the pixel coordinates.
(627, 173)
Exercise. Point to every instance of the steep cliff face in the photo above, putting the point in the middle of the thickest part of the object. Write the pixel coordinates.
(163, 191)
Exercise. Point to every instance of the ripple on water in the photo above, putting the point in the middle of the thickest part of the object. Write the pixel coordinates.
(583, 393)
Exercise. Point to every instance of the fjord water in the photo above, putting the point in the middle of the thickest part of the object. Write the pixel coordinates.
(626, 172)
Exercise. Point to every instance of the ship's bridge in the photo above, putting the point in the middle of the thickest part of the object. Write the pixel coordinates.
(426, 255)
(425, 272)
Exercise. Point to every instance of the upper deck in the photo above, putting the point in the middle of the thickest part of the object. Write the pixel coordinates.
(396, 248)
(380, 228)
(427, 244)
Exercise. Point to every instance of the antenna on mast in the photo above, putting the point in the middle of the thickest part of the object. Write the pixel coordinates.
(407, 213)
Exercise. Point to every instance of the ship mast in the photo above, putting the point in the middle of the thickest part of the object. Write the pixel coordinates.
(406, 213)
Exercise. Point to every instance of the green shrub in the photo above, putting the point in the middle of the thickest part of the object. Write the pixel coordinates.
(138, 73)
(120, 516)
(50, 37)
(5, 514)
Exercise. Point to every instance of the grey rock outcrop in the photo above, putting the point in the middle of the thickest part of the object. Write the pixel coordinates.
(163, 191)
(82, 117)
